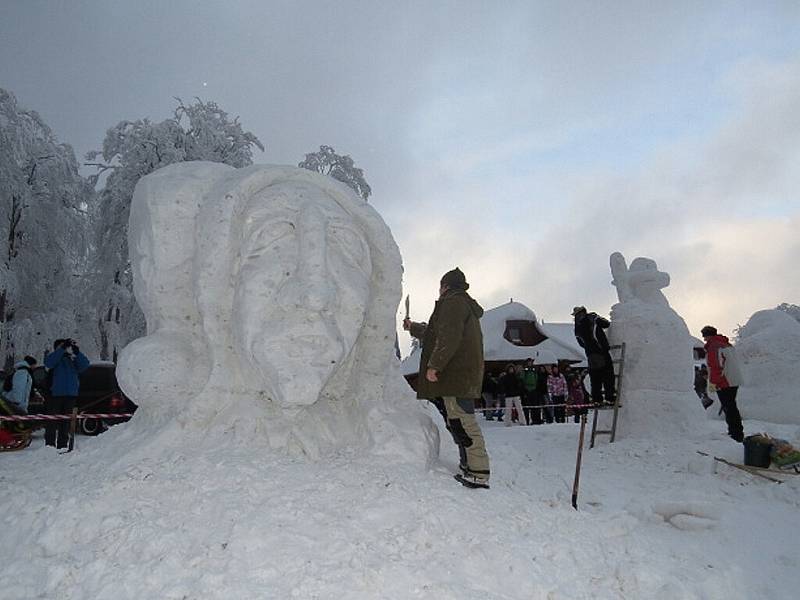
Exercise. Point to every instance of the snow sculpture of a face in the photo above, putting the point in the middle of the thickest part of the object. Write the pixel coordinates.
(302, 288)
(270, 295)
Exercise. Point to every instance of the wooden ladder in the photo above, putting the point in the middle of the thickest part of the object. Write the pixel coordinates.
(618, 373)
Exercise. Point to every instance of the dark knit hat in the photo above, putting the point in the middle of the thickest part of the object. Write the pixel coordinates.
(455, 280)
(708, 331)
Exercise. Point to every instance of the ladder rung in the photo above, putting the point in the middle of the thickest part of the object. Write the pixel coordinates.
(618, 385)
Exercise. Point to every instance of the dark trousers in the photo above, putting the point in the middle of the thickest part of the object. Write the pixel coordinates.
(439, 404)
(727, 398)
(559, 412)
(533, 412)
(547, 412)
(56, 433)
(602, 383)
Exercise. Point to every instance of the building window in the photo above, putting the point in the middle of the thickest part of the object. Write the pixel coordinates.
(523, 333)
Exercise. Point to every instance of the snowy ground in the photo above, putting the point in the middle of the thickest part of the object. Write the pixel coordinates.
(210, 520)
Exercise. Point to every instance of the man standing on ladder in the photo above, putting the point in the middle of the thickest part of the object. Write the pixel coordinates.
(589, 331)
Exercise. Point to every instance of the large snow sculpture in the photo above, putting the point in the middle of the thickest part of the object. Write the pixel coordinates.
(270, 295)
(769, 348)
(658, 373)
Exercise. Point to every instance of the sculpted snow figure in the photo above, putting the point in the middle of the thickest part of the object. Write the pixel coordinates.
(769, 348)
(270, 295)
(657, 395)
(643, 281)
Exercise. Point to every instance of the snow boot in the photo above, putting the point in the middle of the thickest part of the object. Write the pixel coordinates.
(471, 481)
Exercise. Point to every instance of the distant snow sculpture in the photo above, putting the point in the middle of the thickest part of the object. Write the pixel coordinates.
(270, 295)
(643, 281)
(769, 348)
(657, 392)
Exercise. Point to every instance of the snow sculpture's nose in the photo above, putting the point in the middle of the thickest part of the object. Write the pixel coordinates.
(315, 291)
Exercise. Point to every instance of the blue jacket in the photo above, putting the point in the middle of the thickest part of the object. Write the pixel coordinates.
(65, 371)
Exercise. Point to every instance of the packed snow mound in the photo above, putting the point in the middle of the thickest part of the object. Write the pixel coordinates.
(769, 349)
(657, 394)
(270, 295)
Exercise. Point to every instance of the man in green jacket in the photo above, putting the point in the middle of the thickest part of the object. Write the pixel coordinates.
(451, 371)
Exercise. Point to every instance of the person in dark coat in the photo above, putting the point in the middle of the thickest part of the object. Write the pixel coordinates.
(590, 333)
(451, 369)
(542, 398)
(66, 361)
(529, 377)
(511, 389)
(489, 393)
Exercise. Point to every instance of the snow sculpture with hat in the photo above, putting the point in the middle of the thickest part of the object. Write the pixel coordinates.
(270, 296)
(657, 395)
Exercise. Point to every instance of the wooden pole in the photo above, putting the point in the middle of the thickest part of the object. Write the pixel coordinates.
(73, 426)
(578, 463)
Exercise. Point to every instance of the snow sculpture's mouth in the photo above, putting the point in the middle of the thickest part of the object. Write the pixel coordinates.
(307, 347)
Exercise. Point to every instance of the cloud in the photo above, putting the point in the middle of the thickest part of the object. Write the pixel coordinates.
(744, 266)
(719, 212)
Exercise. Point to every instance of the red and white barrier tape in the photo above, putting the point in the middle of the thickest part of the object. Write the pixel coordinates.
(499, 408)
(63, 417)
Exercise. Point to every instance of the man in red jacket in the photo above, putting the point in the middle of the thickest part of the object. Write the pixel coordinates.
(722, 379)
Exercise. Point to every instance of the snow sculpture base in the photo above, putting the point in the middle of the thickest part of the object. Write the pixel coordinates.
(657, 394)
(270, 295)
(769, 349)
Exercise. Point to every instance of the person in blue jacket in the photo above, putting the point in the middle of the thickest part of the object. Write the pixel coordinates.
(66, 361)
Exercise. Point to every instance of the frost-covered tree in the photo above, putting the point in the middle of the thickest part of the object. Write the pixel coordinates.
(43, 228)
(132, 149)
(793, 310)
(210, 134)
(341, 168)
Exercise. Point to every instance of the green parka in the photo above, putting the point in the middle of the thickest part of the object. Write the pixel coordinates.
(452, 343)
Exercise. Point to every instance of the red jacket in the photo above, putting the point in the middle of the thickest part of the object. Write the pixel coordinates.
(713, 346)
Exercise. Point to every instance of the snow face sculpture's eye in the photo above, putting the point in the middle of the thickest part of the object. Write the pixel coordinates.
(352, 245)
(267, 235)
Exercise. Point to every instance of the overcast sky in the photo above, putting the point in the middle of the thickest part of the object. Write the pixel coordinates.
(522, 141)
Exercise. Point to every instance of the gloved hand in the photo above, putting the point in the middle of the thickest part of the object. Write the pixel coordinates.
(75, 349)
(711, 388)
